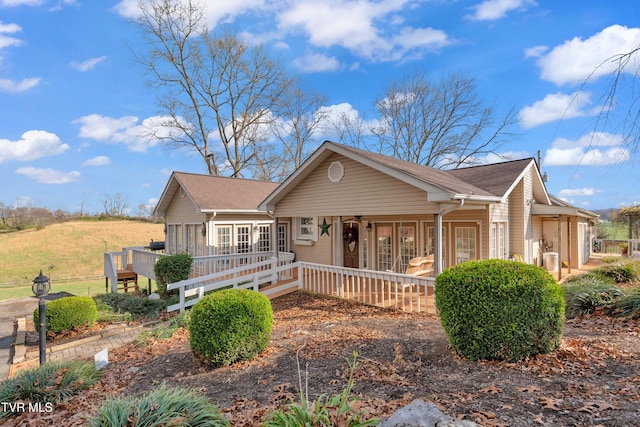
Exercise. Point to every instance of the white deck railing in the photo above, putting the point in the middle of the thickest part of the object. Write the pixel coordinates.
(248, 276)
(394, 290)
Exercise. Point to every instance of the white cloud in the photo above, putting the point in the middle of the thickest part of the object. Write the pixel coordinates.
(315, 62)
(576, 60)
(89, 64)
(127, 130)
(535, 52)
(557, 106)
(10, 86)
(97, 161)
(48, 175)
(7, 41)
(490, 10)
(593, 149)
(13, 3)
(215, 12)
(361, 27)
(34, 144)
(575, 192)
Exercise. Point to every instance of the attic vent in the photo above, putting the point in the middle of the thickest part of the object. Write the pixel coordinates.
(335, 172)
(182, 192)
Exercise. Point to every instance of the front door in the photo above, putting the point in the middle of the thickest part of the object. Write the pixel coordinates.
(350, 245)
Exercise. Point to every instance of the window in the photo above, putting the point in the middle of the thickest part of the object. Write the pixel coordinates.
(223, 240)
(407, 244)
(431, 243)
(264, 238)
(497, 240)
(384, 238)
(283, 237)
(244, 239)
(465, 244)
(307, 229)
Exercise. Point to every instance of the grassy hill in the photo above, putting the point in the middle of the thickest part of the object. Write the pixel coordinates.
(74, 249)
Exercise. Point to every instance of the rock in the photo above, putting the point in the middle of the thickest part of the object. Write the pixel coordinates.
(154, 296)
(421, 414)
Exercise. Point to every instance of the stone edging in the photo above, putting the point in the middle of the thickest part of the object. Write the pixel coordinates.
(20, 348)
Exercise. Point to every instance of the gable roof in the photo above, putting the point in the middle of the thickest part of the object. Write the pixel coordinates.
(560, 207)
(215, 193)
(486, 183)
(501, 178)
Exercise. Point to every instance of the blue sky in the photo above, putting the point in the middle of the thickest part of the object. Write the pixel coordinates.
(72, 98)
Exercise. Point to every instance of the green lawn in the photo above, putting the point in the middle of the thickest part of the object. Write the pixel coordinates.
(91, 288)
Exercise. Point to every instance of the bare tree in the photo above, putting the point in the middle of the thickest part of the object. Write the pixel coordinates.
(214, 91)
(621, 89)
(440, 125)
(350, 129)
(115, 205)
(299, 115)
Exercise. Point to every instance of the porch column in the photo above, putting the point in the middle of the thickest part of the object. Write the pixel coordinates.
(437, 244)
(559, 247)
(339, 245)
(569, 242)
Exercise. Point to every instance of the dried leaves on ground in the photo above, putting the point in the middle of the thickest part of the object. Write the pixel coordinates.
(592, 380)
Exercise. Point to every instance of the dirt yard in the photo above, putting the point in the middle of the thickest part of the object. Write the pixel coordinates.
(592, 380)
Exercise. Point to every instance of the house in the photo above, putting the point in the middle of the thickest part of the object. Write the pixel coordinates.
(352, 208)
(212, 215)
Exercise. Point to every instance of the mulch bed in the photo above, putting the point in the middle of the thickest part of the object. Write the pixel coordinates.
(592, 380)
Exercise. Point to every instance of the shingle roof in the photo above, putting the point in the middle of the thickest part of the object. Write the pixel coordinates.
(440, 178)
(495, 178)
(222, 193)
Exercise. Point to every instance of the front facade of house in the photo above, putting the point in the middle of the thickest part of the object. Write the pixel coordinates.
(208, 215)
(352, 208)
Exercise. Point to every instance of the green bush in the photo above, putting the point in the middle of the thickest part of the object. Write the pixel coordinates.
(500, 310)
(164, 332)
(584, 293)
(170, 269)
(620, 272)
(230, 325)
(628, 305)
(137, 307)
(68, 313)
(160, 407)
(52, 382)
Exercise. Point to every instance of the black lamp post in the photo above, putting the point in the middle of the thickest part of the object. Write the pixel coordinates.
(41, 287)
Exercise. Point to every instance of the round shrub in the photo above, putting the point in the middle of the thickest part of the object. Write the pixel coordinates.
(68, 313)
(230, 325)
(500, 310)
(170, 269)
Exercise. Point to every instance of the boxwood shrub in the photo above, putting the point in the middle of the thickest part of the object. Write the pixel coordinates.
(170, 269)
(500, 310)
(230, 325)
(68, 313)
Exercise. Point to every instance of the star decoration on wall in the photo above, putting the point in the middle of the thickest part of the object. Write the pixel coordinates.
(324, 227)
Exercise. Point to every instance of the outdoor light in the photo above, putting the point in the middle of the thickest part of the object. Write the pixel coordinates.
(41, 285)
(369, 227)
(204, 229)
(40, 288)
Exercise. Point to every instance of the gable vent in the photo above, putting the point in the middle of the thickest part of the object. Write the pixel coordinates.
(335, 171)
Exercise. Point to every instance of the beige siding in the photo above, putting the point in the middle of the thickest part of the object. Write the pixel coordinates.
(362, 191)
(181, 210)
(537, 236)
(528, 253)
(320, 252)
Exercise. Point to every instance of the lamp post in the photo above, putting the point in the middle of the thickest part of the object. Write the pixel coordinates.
(41, 287)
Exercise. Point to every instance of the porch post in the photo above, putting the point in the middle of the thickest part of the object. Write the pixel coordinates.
(339, 246)
(569, 242)
(437, 243)
(559, 247)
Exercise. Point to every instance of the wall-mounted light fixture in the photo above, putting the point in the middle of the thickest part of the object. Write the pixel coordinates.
(204, 229)
(369, 226)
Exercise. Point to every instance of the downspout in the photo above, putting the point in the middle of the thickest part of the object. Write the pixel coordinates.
(210, 231)
(437, 231)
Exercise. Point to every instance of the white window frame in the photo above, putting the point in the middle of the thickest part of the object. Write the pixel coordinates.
(306, 229)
